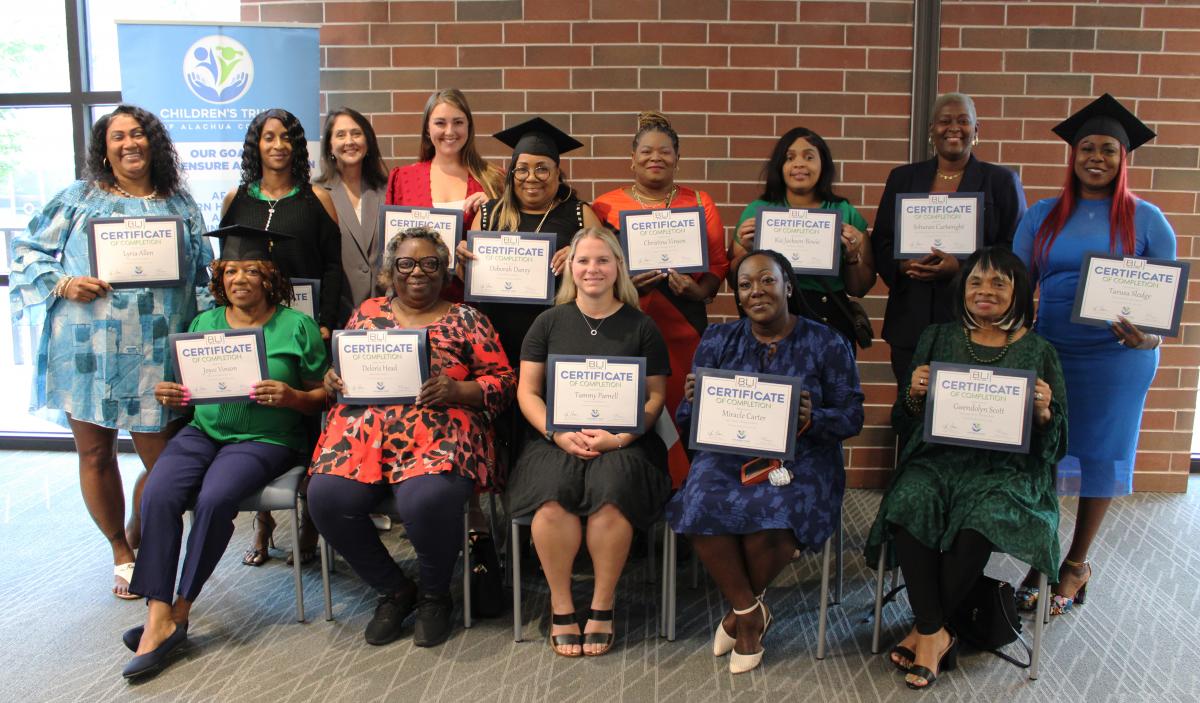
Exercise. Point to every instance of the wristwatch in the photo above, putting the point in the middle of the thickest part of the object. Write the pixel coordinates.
(549, 435)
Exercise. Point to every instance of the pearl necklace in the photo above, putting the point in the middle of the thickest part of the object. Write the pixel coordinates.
(1008, 342)
(131, 196)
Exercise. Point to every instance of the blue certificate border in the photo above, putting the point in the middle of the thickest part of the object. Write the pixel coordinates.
(977, 197)
(422, 337)
(793, 417)
(1180, 294)
(1030, 378)
(316, 291)
(260, 339)
(448, 212)
(700, 268)
(836, 269)
(156, 283)
(552, 362)
(475, 235)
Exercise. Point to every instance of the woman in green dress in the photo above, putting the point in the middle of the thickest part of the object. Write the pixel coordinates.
(948, 507)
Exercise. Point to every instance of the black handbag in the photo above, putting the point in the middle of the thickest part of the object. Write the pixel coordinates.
(854, 312)
(987, 619)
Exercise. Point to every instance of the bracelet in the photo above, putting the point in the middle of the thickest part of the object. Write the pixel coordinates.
(914, 405)
(60, 288)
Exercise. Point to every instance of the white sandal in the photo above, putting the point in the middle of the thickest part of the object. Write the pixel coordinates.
(124, 572)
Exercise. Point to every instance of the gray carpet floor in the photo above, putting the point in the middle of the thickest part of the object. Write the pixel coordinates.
(1135, 640)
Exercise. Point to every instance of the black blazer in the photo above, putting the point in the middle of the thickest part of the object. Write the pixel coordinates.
(914, 305)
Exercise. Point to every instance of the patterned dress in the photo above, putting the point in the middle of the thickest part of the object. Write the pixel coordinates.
(939, 490)
(713, 500)
(382, 444)
(99, 361)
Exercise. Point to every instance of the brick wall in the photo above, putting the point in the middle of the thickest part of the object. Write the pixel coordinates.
(733, 74)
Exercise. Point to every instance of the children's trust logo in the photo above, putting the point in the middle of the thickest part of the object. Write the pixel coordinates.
(218, 69)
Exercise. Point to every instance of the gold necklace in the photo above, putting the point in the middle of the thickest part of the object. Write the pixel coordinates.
(553, 204)
(637, 195)
(1008, 342)
(952, 177)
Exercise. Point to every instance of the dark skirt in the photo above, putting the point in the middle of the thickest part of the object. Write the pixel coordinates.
(633, 478)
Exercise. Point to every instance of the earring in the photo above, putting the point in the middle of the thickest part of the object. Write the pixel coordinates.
(975, 140)
(106, 164)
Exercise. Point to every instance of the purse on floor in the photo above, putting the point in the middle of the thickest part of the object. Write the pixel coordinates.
(987, 619)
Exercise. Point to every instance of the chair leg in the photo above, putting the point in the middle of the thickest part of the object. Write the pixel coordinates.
(670, 545)
(652, 574)
(514, 567)
(466, 552)
(664, 597)
(695, 570)
(326, 557)
(1043, 606)
(879, 573)
(296, 560)
(838, 559)
(823, 617)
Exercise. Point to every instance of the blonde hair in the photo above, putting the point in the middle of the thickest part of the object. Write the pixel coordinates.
(623, 288)
(488, 175)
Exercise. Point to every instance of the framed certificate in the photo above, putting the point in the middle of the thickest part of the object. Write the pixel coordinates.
(655, 240)
(510, 267)
(595, 392)
(951, 222)
(981, 407)
(306, 296)
(221, 366)
(397, 218)
(1147, 292)
(810, 239)
(746, 414)
(136, 252)
(381, 367)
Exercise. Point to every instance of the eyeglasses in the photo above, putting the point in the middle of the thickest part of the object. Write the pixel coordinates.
(540, 173)
(428, 264)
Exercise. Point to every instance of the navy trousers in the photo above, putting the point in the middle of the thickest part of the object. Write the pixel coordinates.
(430, 506)
(194, 468)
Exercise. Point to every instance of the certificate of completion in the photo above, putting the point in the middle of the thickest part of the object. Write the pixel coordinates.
(745, 414)
(219, 367)
(810, 239)
(984, 407)
(306, 294)
(951, 222)
(655, 240)
(136, 252)
(510, 267)
(447, 223)
(595, 392)
(1147, 292)
(380, 367)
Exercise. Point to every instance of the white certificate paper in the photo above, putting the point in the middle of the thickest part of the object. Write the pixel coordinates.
(510, 268)
(136, 252)
(810, 239)
(1147, 292)
(447, 223)
(219, 367)
(595, 392)
(745, 414)
(988, 408)
(380, 367)
(656, 240)
(951, 222)
(305, 296)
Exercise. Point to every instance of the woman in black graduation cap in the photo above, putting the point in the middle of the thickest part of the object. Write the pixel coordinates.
(1107, 370)
(229, 450)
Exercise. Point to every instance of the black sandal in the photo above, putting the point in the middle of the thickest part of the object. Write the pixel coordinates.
(569, 640)
(603, 638)
(904, 653)
(255, 555)
(946, 662)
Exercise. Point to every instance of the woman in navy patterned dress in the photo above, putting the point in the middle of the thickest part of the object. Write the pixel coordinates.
(746, 535)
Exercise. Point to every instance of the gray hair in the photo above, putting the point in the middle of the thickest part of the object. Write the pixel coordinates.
(949, 98)
(391, 253)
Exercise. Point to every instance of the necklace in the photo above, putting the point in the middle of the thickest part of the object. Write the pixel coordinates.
(648, 201)
(594, 330)
(951, 177)
(131, 196)
(1008, 342)
(549, 210)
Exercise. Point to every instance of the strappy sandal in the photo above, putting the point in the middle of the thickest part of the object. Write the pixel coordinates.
(946, 662)
(1026, 595)
(568, 640)
(904, 653)
(257, 556)
(123, 572)
(1059, 603)
(605, 639)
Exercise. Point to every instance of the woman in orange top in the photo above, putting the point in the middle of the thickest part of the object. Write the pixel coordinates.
(675, 301)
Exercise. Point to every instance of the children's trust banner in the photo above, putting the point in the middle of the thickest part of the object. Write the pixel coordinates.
(206, 82)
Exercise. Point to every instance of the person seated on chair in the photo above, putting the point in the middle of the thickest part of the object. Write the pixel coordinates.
(427, 458)
(230, 450)
(746, 534)
(618, 482)
(948, 507)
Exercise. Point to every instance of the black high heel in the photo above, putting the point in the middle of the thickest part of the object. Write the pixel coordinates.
(947, 662)
(904, 653)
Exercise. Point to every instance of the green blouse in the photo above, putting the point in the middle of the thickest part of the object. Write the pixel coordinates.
(850, 216)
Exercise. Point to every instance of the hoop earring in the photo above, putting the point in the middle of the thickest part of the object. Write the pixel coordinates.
(106, 164)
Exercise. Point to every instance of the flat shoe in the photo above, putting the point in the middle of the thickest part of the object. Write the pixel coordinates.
(124, 572)
(153, 661)
(605, 639)
(133, 637)
(567, 640)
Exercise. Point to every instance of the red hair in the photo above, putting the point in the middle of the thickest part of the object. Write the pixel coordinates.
(1120, 216)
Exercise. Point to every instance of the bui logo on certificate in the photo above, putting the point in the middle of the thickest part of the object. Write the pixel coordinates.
(745, 414)
(657, 240)
(381, 367)
(219, 367)
(447, 223)
(601, 392)
(136, 252)
(1147, 292)
(987, 408)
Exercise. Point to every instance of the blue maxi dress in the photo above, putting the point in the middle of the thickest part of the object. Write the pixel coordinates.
(1106, 382)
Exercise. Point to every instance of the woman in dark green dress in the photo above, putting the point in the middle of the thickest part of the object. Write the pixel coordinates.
(949, 507)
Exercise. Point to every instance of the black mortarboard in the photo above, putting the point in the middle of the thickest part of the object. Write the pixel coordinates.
(1105, 116)
(243, 243)
(537, 136)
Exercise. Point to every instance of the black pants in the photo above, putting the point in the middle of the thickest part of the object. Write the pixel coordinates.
(938, 581)
(902, 365)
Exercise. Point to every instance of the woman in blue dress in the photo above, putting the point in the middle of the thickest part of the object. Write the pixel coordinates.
(747, 534)
(101, 351)
(1107, 371)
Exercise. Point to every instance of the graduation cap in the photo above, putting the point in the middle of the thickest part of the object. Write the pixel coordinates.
(243, 243)
(537, 136)
(1107, 117)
